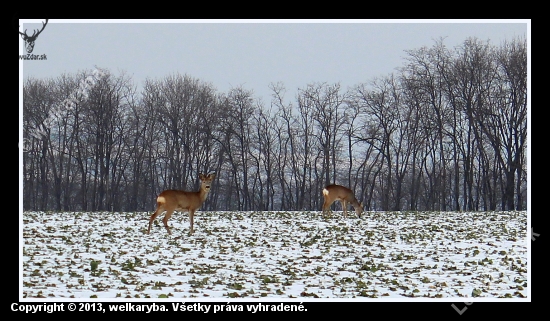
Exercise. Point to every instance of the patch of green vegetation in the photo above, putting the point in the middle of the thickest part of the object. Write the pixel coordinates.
(158, 285)
(206, 269)
(267, 279)
(128, 265)
(476, 292)
(233, 295)
(306, 294)
(235, 286)
(485, 261)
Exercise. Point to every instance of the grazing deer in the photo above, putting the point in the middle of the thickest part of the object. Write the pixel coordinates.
(331, 193)
(174, 200)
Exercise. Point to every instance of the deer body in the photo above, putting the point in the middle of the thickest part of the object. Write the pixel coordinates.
(332, 193)
(176, 200)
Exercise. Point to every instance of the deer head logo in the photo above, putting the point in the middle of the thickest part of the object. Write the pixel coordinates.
(29, 40)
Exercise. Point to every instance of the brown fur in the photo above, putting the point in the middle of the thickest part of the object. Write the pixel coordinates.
(176, 200)
(332, 193)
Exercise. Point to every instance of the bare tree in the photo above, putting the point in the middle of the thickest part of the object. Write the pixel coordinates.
(503, 119)
(447, 132)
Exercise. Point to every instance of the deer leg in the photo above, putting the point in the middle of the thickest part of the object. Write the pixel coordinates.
(344, 208)
(191, 215)
(326, 206)
(166, 218)
(157, 212)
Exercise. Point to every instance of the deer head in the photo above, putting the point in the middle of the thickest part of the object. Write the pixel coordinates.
(29, 40)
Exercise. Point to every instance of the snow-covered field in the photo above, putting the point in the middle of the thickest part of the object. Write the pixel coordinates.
(276, 255)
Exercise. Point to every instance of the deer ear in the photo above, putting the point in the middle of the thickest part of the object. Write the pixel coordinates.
(212, 175)
(201, 175)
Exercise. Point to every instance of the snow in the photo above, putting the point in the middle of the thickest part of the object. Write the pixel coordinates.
(276, 256)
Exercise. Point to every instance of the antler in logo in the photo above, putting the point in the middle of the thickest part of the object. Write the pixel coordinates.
(29, 40)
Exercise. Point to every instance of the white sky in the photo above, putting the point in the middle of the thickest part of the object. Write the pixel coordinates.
(249, 53)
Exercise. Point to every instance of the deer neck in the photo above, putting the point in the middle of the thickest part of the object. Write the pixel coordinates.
(203, 193)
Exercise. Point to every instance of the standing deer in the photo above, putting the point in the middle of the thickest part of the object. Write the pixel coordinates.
(332, 193)
(175, 200)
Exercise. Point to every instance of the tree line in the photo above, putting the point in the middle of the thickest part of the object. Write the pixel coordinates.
(447, 131)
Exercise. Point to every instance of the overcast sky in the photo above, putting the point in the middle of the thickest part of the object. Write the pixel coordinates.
(249, 53)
